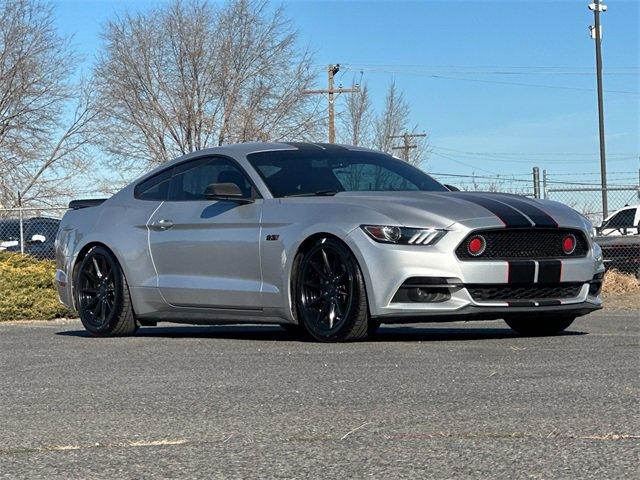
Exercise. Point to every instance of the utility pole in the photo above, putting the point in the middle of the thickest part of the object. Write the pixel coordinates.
(330, 91)
(596, 34)
(406, 143)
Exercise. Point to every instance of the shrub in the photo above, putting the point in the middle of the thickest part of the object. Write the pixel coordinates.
(27, 289)
(616, 282)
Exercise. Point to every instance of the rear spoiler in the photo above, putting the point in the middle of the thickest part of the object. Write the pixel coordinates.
(90, 202)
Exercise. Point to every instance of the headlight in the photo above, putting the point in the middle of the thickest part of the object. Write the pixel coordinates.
(404, 235)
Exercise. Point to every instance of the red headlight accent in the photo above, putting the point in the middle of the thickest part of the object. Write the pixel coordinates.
(476, 245)
(569, 244)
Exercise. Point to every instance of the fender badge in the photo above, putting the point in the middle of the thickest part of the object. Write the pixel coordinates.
(272, 238)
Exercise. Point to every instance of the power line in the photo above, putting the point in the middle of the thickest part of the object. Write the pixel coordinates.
(522, 157)
(550, 68)
(448, 76)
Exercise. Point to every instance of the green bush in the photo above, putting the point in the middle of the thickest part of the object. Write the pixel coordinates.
(27, 289)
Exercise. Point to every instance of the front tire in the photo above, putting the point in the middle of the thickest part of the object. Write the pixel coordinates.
(102, 295)
(539, 326)
(330, 301)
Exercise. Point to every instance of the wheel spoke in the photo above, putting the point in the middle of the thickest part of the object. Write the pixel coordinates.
(327, 267)
(98, 311)
(96, 267)
(317, 269)
(103, 310)
(108, 305)
(322, 312)
(332, 313)
(337, 308)
(90, 276)
(89, 302)
(313, 302)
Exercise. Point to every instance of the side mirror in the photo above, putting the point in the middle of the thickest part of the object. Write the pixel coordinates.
(452, 188)
(225, 191)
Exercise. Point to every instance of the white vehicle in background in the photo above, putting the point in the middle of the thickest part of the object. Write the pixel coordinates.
(625, 221)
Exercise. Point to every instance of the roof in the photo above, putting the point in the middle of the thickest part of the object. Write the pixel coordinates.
(236, 150)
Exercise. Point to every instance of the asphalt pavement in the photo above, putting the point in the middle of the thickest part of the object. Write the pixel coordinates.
(460, 400)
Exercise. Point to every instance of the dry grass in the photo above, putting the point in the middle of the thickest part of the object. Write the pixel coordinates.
(616, 283)
(27, 291)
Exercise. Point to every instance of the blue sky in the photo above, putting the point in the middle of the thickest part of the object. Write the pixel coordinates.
(541, 110)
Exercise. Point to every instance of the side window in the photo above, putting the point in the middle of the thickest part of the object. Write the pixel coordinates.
(154, 188)
(191, 179)
(623, 219)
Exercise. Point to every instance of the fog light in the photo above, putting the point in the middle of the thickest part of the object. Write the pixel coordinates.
(428, 295)
(476, 245)
(569, 244)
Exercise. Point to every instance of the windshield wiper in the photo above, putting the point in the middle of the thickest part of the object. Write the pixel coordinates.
(319, 193)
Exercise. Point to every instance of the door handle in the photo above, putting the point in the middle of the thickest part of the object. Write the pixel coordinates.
(162, 225)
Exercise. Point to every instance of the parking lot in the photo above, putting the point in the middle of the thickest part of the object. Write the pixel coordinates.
(253, 402)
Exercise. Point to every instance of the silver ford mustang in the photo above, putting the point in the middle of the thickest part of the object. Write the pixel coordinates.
(327, 240)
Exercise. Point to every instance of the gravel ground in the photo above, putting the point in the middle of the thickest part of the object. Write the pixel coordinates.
(440, 401)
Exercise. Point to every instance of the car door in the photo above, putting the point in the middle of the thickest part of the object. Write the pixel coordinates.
(206, 252)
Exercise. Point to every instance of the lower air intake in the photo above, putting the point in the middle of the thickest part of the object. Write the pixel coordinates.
(508, 293)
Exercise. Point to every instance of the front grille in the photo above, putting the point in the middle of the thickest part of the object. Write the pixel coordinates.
(529, 243)
(507, 293)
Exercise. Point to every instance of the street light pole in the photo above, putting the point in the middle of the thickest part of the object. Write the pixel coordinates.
(596, 34)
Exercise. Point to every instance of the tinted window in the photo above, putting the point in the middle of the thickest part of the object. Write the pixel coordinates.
(294, 172)
(154, 188)
(623, 219)
(191, 179)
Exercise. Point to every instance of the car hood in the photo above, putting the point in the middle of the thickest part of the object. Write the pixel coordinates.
(443, 209)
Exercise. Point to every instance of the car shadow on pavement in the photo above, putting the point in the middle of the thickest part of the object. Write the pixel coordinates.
(390, 333)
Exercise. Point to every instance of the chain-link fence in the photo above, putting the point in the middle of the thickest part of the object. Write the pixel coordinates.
(30, 231)
(618, 229)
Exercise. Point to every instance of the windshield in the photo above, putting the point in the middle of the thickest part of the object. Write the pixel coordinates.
(295, 172)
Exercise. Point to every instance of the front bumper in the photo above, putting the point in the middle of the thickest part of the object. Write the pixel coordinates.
(387, 267)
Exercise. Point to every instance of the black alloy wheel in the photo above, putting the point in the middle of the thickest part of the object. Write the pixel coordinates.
(102, 295)
(330, 296)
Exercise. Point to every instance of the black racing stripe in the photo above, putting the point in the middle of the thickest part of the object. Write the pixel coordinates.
(521, 271)
(549, 271)
(509, 216)
(331, 147)
(549, 303)
(521, 303)
(307, 147)
(539, 217)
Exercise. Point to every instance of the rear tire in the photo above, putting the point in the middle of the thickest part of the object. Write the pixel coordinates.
(539, 326)
(102, 295)
(330, 301)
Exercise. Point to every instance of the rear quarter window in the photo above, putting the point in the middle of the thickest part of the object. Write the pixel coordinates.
(154, 188)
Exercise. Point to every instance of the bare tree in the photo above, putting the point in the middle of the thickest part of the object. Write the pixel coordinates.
(188, 76)
(357, 118)
(40, 142)
(394, 121)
